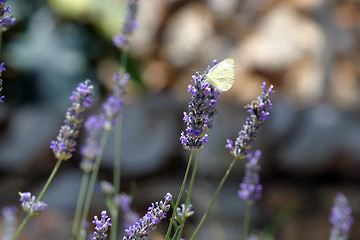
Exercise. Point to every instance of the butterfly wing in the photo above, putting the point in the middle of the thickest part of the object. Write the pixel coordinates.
(222, 75)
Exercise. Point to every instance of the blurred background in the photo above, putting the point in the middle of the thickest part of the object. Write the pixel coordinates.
(308, 49)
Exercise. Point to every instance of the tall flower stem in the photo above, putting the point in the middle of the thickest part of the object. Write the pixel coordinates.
(192, 179)
(214, 198)
(191, 184)
(117, 141)
(46, 186)
(246, 221)
(179, 197)
(93, 177)
(22, 225)
(123, 61)
(117, 157)
(80, 204)
(117, 177)
(51, 177)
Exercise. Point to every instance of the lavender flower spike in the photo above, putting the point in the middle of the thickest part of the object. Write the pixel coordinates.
(251, 189)
(91, 149)
(259, 112)
(5, 21)
(30, 205)
(2, 68)
(341, 218)
(201, 112)
(9, 216)
(121, 40)
(114, 103)
(102, 226)
(148, 223)
(65, 142)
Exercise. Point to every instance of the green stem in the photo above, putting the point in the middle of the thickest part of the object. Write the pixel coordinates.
(46, 186)
(191, 184)
(114, 224)
(214, 198)
(179, 197)
(93, 177)
(117, 158)
(247, 221)
(117, 176)
(51, 177)
(22, 225)
(80, 204)
(123, 60)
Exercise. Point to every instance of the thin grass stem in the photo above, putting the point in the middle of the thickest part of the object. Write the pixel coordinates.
(214, 198)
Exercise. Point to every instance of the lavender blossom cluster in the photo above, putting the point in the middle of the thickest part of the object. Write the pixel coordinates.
(114, 103)
(101, 226)
(202, 109)
(2, 68)
(122, 40)
(91, 149)
(259, 112)
(5, 19)
(340, 218)
(65, 142)
(30, 205)
(148, 223)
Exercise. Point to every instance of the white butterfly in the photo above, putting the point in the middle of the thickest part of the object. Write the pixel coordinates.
(222, 75)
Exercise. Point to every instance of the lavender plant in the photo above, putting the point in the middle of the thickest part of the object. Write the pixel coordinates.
(258, 114)
(91, 149)
(202, 109)
(121, 41)
(110, 118)
(112, 108)
(63, 147)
